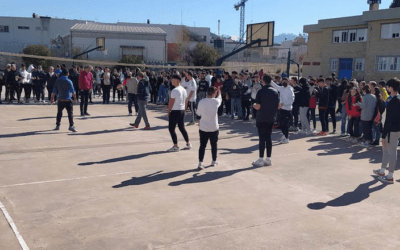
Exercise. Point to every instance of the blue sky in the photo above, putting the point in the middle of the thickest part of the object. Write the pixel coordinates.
(289, 15)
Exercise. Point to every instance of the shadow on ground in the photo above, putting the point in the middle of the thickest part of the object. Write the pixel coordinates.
(30, 133)
(361, 193)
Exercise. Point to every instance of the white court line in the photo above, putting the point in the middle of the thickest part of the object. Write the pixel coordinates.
(71, 179)
(14, 227)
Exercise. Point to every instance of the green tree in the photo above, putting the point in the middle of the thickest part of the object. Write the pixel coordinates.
(395, 4)
(37, 50)
(204, 55)
(131, 59)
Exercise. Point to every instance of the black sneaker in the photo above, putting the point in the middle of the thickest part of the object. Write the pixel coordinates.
(375, 143)
(87, 114)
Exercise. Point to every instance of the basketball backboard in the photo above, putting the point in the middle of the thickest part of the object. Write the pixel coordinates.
(100, 43)
(264, 31)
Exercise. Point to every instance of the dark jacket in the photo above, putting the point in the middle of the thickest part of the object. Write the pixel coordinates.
(268, 98)
(333, 91)
(11, 77)
(392, 123)
(74, 77)
(296, 91)
(227, 86)
(235, 90)
(51, 80)
(244, 94)
(203, 86)
(304, 96)
(40, 75)
(143, 90)
(323, 97)
(153, 84)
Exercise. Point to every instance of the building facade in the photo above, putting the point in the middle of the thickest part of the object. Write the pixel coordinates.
(365, 47)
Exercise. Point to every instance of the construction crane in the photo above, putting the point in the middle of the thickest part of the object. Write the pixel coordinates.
(241, 5)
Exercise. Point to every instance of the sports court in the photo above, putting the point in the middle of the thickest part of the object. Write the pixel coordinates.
(111, 187)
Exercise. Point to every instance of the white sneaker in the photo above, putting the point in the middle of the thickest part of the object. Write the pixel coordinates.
(302, 132)
(365, 144)
(285, 141)
(267, 162)
(282, 138)
(201, 166)
(314, 131)
(214, 163)
(130, 114)
(343, 135)
(188, 146)
(258, 163)
(173, 149)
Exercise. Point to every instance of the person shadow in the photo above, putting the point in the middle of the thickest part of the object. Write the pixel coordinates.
(157, 176)
(362, 192)
(123, 158)
(210, 176)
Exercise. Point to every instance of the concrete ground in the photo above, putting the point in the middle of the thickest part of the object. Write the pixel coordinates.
(112, 187)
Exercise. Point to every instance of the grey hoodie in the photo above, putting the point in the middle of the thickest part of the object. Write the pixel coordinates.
(368, 107)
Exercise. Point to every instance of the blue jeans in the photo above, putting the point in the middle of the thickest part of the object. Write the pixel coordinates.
(161, 95)
(344, 120)
(236, 102)
(376, 131)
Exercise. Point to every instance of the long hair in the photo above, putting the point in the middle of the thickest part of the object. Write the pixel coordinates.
(350, 100)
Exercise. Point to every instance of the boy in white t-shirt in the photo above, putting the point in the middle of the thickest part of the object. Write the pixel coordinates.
(191, 89)
(176, 113)
(209, 128)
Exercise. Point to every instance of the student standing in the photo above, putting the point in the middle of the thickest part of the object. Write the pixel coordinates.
(85, 86)
(38, 79)
(143, 96)
(367, 106)
(330, 111)
(313, 104)
(354, 113)
(74, 77)
(254, 90)
(322, 94)
(286, 102)
(131, 84)
(266, 103)
(191, 89)
(51, 78)
(13, 78)
(203, 87)
(106, 85)
(176, 113)
(226, 87)
(304, 102)
(209, 128)
(391, 133)
(64, 89)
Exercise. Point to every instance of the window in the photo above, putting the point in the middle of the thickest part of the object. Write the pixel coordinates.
(4, 29)
(390, 31)
(360, 64)
(350, 36)
(388, 63)
(333, 63)
(23, 27)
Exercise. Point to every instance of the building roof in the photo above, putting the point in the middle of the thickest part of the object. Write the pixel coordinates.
(367, 16)
(94, 27)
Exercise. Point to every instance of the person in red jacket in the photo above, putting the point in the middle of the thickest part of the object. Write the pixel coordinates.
(85, 86)
(354, 113)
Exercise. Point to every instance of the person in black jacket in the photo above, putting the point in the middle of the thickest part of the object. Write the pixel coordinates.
(330, 111)
(294, 118)
(143, 95)
(304, 103)
(267, 103)
(226, 87)
(234, 96)
(74, 77)
(50, 79)
(378, 113)
(391, 133)
(38, 79)
(154, 87)
(322, 94)
(13, 78)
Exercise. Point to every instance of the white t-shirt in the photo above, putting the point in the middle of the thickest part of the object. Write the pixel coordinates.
(180, 95)
(208, 110)
(190, 86)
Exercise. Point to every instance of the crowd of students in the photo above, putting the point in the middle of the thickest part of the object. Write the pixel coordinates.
(286, 103)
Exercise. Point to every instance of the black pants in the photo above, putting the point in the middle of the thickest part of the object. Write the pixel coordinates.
(177, 117)
(106, 94)
(153, 97)
(204, 137)
(68, 105)
(15, 88)
(76, 87)
(246, 108)
(1, 90)
(50, 91)
(27, 89)
(294, 119)
(39, 88)
(264, 136)
(340, 105)
(311, 115)
(84, 101)
(254, 114)
(354, 123)
(285, 121)
(8, 88)
(322, 119)
(330, 112)
(120, 93)
(227, 104)
(367, 130)
(132, 99)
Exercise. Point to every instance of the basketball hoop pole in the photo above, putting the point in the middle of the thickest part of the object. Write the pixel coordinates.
(221, 60)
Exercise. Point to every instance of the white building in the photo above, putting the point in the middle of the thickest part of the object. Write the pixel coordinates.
(148, 43)
(18, 32)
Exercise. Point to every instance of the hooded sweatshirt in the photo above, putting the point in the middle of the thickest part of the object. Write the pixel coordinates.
(286, 96)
